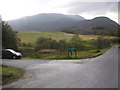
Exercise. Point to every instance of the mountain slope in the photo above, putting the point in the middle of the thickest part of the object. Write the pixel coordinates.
(45, 21)
(99, 24)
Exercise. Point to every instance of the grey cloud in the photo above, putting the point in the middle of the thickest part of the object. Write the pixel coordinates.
(95, 8)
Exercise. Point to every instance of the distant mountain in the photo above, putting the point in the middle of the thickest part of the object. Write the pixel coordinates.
(42, 22)
(99, 24)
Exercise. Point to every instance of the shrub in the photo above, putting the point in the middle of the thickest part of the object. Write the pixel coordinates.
(101, 43)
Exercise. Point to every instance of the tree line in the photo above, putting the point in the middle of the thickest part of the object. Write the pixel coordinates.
(9, 37)
(61, 45)
(76, 41)
(94, 31)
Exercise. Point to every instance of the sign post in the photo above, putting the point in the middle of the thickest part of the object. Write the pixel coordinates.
(71, 50)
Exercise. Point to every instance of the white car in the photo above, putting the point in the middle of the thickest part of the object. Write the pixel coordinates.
(10, 54)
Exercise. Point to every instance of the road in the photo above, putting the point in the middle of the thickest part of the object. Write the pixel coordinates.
(99, 72)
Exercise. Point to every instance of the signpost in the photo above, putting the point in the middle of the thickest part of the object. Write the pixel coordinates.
(71, 50)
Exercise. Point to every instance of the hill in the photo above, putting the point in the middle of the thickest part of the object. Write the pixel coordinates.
(45, 21)
(66, 23)
(98, 25)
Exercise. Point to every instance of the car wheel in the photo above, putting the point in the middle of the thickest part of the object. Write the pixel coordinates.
(14, 57)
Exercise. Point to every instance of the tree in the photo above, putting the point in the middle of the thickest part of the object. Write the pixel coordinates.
(62, 45)
(48, 43)
(9, 37)
(43, 43)
(77, 42)
(101, 43)
(54, 44)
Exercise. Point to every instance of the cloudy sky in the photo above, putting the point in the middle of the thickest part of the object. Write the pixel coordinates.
(13, 9)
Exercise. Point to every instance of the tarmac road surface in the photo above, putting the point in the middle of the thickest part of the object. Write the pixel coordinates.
(99, 72)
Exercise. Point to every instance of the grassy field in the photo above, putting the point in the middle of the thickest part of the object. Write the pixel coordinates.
(10, 74)
(31, 36)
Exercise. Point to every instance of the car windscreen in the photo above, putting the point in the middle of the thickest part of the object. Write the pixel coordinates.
(11, 50)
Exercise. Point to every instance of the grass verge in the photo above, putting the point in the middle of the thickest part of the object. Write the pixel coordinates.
(80, 55)
(10, 74)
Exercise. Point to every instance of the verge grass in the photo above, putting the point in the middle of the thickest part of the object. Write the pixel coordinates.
(64, 56)
(10, 74)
